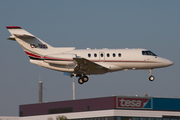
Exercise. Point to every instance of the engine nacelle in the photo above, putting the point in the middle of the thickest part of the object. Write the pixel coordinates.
(60, 58)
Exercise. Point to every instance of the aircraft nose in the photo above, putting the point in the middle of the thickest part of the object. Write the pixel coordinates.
(167, 62)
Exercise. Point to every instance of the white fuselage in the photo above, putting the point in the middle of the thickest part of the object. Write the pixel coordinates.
(113, 59)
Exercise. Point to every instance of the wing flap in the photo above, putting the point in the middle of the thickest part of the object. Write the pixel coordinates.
(85, 66)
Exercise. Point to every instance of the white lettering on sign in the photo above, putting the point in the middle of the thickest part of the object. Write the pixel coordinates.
(132, 102)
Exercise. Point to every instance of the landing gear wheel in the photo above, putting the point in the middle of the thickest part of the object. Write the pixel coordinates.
(151, 78)
(85, 78)
(80, 81)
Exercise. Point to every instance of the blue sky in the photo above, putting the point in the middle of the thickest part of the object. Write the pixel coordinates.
(154, 25)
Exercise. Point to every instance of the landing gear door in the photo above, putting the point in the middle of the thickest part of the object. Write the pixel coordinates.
(101, 56)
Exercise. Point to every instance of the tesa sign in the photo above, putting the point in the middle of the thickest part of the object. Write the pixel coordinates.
(131, 102)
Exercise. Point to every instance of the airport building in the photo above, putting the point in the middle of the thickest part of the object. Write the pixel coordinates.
(105, 108)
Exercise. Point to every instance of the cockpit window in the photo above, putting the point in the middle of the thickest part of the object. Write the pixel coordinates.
(148, 53)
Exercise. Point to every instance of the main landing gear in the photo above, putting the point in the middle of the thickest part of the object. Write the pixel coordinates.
(151, 78)
(83, 79)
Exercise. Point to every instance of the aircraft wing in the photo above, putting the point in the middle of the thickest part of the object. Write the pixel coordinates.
(87, 67)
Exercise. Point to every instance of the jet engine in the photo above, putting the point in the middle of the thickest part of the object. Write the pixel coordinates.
(60, 58)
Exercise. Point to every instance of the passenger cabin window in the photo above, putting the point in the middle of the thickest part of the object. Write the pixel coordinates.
(108, 55)
(89, 55)
(101, 55)
(95, 55)
(119, 54)
(114, 55)
(148, 53)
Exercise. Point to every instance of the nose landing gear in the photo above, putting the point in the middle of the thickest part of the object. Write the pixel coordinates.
(151, 78)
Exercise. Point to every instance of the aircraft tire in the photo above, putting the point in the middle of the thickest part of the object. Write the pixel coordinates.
(151, 78)
(85, 78)
(80, 81)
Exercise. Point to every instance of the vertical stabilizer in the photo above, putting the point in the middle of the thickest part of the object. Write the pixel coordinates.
(33, 46)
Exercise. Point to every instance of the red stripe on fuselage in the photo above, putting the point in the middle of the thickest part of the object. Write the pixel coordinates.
(32, 55)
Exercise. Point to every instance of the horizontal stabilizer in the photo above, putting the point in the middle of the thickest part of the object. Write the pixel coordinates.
(12, 38)
(24, 36)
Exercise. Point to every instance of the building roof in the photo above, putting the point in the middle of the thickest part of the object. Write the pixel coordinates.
(104, 103)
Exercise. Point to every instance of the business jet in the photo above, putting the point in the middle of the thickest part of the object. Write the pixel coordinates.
(85, 62)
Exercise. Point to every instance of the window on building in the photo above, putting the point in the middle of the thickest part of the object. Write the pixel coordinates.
(135, 118)
(157, 118)
(99, 118)
(118, 118)
(150, 118)
(142, 118)
(105, 118)
(126, 118)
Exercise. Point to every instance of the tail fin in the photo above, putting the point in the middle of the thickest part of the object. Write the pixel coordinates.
(33, 46)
